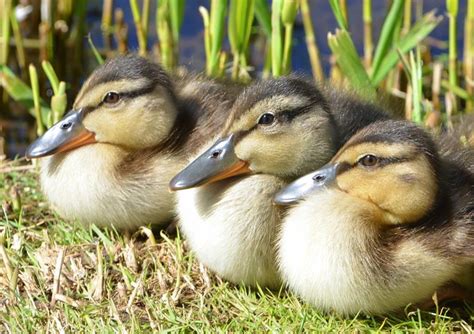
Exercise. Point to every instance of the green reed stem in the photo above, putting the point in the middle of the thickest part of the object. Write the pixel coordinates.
(59, 102)
(145, 16)
(469, 54)
(5, 32)
(138, 27)
(368, 41)
(241, 15)
(452, 7)
(311, 44)
(288, 15)
(20, 49)
(106, 24)
(214, 33)
(96, 53)
(262, 13)
(277, 46)
(165, 35)
(177, 15)
(407, 17)
(36, 99)
(51, 74)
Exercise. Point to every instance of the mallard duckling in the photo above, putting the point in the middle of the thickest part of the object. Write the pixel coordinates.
(278, 130)
(109, 160)
(384, 224)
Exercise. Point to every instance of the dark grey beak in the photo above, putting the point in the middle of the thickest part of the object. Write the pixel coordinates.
(217, 163)
(67, 134)
(302, 187)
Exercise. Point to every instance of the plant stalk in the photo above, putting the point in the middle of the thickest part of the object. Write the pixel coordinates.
(311, 44)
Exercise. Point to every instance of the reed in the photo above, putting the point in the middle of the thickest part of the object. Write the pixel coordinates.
(164, 31)
(4, 52)
(452, 7)
(137, 19)
(20, 49)
(36, 100)
(277, 39)
(263, 16)
(288, 15)
(368, 41)
(469, 54)
(59, 98)
(106, 24)
(241, 16)
(214, 35)
(313, 50)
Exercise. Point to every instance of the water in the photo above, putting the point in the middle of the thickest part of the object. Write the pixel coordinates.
(192, 38)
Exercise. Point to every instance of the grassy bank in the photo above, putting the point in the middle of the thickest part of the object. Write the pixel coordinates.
(58, 276)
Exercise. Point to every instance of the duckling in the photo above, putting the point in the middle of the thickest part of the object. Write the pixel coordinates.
(278, 129)
(385, 223)
(109, 160)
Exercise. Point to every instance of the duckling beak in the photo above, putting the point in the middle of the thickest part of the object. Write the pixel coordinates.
(302, 187)
(67, 134)
(217, 163)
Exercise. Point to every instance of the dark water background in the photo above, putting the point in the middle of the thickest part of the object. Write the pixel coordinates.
(192, 41)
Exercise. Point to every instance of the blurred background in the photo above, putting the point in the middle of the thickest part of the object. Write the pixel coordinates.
(65, 40)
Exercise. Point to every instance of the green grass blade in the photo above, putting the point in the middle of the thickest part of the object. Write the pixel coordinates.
(337, 11)
(417, 86)
(59, 102)
(346, 55)
(5, 32)
(262, 12)
(96, 53)
(36, 100)
(216, 25)
(250, 14)
(232, 26)
(277, 45)
(20, 92)
(177, 15)
(419, 31)
(51, 74)
(385, 41)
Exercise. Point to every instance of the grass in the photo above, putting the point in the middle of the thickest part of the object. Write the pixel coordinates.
(70, 278)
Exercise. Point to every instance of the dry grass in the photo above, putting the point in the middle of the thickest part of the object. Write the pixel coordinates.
(56, 276)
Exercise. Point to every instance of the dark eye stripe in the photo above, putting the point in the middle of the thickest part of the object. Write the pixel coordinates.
(131, 94)
(382, 162)
(286, 115)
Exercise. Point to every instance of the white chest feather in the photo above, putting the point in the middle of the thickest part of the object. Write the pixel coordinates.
(85, 185)
(329, 255)
(232, 227)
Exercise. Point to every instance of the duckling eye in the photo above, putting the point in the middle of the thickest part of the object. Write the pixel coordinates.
(266, 119)
(111, 98)
(368, 160)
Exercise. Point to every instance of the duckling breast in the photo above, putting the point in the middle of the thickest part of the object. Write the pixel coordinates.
(231, 226)
(334, 256)
(84, 185)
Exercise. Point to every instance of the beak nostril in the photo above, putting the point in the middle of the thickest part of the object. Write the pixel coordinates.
(216, 154)
(319, 178)
(66, 125)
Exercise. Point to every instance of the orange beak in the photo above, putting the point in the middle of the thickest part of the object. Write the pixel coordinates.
(239, 168)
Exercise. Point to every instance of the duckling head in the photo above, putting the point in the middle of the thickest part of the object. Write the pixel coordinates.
(392, 166)
(269, 131)
(128, 102)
